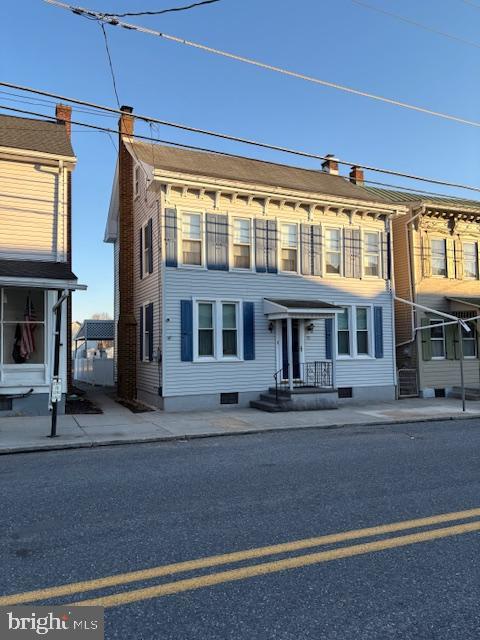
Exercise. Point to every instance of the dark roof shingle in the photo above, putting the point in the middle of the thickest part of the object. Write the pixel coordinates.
(36, 269)
(35, 135)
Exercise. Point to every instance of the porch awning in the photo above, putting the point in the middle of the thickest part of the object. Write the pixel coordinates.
(38, 274)
(278, 309)
(469, 301)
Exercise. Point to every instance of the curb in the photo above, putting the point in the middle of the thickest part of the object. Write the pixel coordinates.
(255, 431)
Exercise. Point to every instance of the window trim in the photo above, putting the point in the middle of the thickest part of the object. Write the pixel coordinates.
(352, 329)
(145, 260)
(364, 254)
(280, 246)
(473, 337)
(218, 329)
(181, 213)
(433, 321)
(475, 245)
(146, 334)
(444, 240)
(136, 181)
(327, 274)
(231, 243)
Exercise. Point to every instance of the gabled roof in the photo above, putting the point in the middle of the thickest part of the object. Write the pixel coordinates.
(96, 330)
(403, 197)
(35, 135)
(248, 170)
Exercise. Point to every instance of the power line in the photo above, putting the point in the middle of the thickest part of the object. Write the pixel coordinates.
(262, 65)
(112, 73)
(414, 23)
(157, 13)
(150, 139)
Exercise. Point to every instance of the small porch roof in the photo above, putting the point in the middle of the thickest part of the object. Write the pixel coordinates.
(279, 309)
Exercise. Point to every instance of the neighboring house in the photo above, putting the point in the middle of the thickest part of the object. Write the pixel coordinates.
(94, 352)
(436, 258)
(229, 271)
(36, 162)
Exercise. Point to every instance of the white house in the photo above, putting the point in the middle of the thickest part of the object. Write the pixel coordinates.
(36, 162)
(235, 275)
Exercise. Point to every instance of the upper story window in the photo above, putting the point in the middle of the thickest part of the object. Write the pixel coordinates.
(470, 260)
(343, 334)
(437, 339)
(136, 181)
(371, 255)
(289, 247)
(363, 347)
(192, 239)
(242, 243)
(333, 251)
(22, 326)
(439, 257)
(146, 247)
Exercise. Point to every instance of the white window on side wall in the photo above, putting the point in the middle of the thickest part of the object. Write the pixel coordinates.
(333, 251)
(136, 181)
(355, 332)
(206, 330)
(242, 243)
(371, 254)
(22, 326)
(229, 330)
(289, 247)
(470, 260)
(218, 330)
(343, 333)
(362, 330)
(437, 339)
(439, 257)
(192, 228)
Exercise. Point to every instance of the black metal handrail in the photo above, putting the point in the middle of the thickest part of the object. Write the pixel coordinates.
(317, 374)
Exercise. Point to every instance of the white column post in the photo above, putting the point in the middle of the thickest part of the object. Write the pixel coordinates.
(290, 353)
(334, 352)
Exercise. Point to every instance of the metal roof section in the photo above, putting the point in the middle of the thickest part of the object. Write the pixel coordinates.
(96, 330)
(278, 309)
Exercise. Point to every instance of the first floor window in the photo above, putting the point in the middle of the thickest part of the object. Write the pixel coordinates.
(362, 331)
(333, 250)
(371, 256)
(229, 329)
(470, 260)
(289, 247)
(242, 242)
(192, 239)
(206, 345)
(343, 333)
(439, 257)
(469, 341)
(437, 338)
(23, 326)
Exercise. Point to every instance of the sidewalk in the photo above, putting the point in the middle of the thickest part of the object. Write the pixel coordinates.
(118, 425)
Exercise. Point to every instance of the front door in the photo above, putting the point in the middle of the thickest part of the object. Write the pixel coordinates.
(295, 349)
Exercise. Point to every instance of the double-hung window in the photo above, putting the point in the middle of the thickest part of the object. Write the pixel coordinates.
(136, 181)
(146, 240)
(470, 260)
(363, 347)
(242, 243)
(289, 247)
(469, 341)
(439, 257)
(437, 339)
(371, 255)
(333, 251)
(343, 335)
(192, 228)
(217, 330)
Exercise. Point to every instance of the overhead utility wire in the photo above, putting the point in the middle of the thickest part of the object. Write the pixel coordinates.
(183, 145)
(333, 85)
(225, 136)
(414, 23)
(157, 13)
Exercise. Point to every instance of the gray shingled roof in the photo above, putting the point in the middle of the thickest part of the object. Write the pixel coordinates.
(96, 330)
(302, 304)
(218, 165)
(35, 135)
(402, 197)
(36, 269)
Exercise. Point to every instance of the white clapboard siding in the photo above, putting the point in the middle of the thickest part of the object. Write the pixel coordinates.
(33, 213)
(189, 378)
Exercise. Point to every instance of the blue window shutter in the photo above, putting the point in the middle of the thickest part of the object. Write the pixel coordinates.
(149, 328)
(211, 240)
(150, 245)
(385, 247)
(378, 329)
(356, 271)
(141, 333)
(171, 231)
(248, 331)
(186, 323)
(261, 245)
(317, 250)
(217, 241)
(140, 252)
(328, 338)
(347, 253)
(272, 246)
(306, 242)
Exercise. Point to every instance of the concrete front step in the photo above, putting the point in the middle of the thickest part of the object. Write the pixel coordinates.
(271, 407)
(471, 393)
(312, 400)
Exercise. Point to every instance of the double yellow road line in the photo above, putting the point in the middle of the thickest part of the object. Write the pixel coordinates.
(253, 570)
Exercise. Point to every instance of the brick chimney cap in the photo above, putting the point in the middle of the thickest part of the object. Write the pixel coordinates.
(126, 108)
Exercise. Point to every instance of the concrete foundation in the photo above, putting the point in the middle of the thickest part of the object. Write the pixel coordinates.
(33, 405)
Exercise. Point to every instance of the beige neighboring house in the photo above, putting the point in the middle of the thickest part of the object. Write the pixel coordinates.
(436, 262)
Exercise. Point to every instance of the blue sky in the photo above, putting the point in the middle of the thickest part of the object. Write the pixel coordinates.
(51, 49)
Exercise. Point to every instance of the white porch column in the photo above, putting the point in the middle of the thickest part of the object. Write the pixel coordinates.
(290, 353)
(334, 352)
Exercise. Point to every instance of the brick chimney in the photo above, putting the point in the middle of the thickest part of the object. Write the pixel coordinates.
(330, 165)
(127, 324)
(356, 176)
(63, 113)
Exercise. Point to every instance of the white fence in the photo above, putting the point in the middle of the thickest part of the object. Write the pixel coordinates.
(97, 371)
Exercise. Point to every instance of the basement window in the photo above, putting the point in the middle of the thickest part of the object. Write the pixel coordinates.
(440, 393)
(345, 392)
(229, 398)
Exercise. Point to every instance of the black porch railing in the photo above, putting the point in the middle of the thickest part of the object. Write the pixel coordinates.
(318, 374)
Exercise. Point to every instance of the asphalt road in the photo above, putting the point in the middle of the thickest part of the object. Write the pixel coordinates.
(78, 515)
